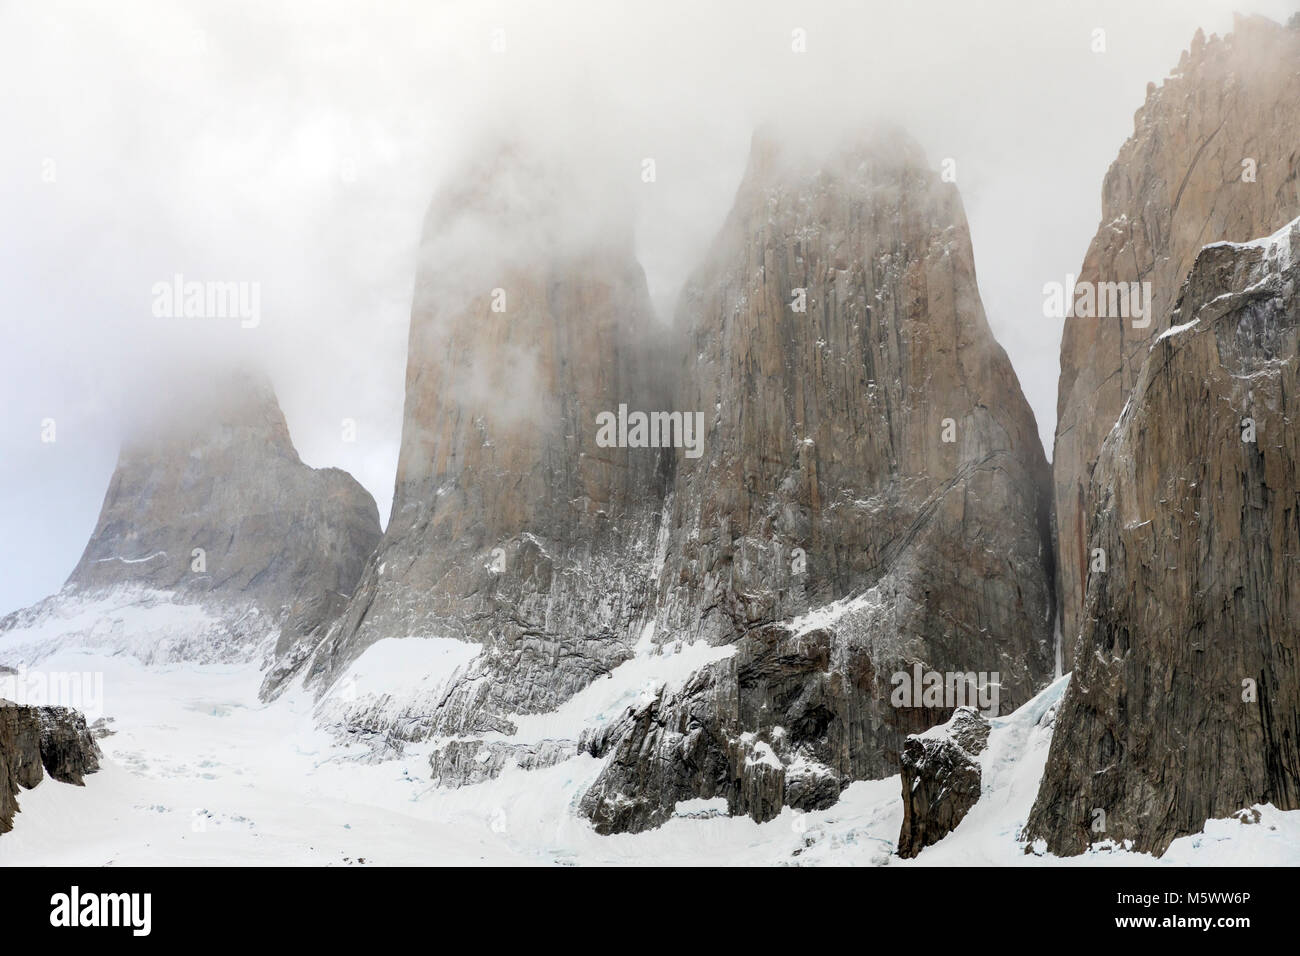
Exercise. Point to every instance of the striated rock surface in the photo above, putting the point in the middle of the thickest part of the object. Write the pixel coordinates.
(826, 427)
(459, 763)
(210, 507)
(511, 526)
(1226, 116)
(1184, 704)
(941, 779)
(870, 458)
(35, 741)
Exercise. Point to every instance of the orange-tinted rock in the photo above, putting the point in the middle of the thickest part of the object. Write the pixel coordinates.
(511, 525)
(1185, 697)
(1178, 184)
(827, 475)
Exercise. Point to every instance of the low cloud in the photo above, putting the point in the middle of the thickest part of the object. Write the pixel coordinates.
(297, 145)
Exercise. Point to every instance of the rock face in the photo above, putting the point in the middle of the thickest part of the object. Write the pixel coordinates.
(512, 526)
(941, 779)
(1185, 699)
(211, 506)
(869, 455)
(828, 428)
(1213, 157)
(223, 476)
(39, 740)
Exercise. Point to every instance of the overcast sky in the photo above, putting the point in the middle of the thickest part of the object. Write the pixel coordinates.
(297, 145)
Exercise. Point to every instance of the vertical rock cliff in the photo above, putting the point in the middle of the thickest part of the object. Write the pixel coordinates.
(841, 430)
(512, 526)
(1184, 704)
(1213, 157)
(210, 505)
(871, 493)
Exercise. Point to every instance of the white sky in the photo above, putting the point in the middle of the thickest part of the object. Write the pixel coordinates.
(297, 144)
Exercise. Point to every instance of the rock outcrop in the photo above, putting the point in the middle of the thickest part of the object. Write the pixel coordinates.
(941, 779)
(459, 763)
(35, 741)
(868, 456)
(1184, 704)
(1213, 157)
(211, 506)
(776, 724)
(512, 525)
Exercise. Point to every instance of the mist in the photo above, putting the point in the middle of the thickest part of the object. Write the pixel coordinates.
(296, 146)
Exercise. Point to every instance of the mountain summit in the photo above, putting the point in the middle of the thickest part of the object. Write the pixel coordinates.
(872, 493)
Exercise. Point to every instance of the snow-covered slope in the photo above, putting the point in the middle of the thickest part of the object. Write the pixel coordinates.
(215, 541)
(197, 770)
(153, 626)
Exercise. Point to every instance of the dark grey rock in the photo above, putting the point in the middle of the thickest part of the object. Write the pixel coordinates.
(941, 779)
(35, 741)
(460, 763)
